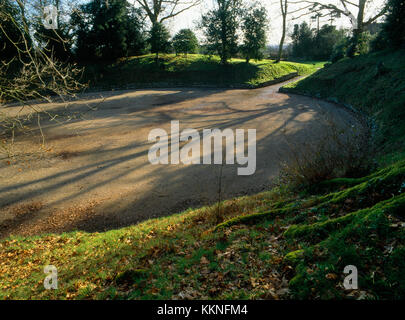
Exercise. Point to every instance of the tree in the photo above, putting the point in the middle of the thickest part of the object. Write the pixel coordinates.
(319, 44)
(394, 25)
(284, 12)
(324, 42)
(159, 39)
(107, 30)
(29, 74)
(220, 27)
(303, 41)
(135, 37)
(185, 42)
(347, 8)
(11, 35)
(161, 10)
(55, 42)
(339, 50)
(254, 29)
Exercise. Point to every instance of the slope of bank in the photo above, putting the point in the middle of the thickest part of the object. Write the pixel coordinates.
(373, 84)
(274, 245)
(193, 70)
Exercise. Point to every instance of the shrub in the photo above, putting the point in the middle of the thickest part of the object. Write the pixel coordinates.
(339, 50)
(339, 153)
(185, 42)
(394, 26)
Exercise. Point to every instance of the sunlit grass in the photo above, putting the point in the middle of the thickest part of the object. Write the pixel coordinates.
(191, 70)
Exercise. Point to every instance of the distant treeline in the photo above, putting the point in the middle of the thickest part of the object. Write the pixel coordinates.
(101, 30)
(107, 30)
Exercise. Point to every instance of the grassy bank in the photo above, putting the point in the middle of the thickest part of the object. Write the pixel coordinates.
(193, 70)
(373, 84)
(272, 245)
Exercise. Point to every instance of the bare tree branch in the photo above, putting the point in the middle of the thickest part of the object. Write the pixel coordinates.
(356, 14)
(30, 74)
(161, 10)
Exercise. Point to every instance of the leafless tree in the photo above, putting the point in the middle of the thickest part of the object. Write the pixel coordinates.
(161, 10)
(30, 74)
(284, 12)
(356, 10)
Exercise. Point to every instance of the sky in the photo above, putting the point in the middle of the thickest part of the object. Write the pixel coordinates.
(188, 18)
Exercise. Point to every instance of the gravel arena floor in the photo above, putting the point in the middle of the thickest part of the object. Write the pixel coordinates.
(95, 175)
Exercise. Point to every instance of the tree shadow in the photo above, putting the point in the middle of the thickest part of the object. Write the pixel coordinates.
(141, 191)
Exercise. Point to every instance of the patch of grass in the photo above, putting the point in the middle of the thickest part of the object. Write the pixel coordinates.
(177, 256)
(195, 70)
(371, 242)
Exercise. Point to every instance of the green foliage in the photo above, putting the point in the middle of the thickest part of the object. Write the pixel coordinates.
(373, 84)
(325, 41)
(360, 43)
(254, 27)
(134, 33)
(185, 42)
(220, 27)
(302, 38)
(379, 43)
(310, 44)
(364, 43)
(107, 31)
(193, 70)
(339, 50)
(159, 39)
(394, 26)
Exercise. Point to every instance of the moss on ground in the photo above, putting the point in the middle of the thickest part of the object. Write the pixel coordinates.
(370, 239)
(368, 230)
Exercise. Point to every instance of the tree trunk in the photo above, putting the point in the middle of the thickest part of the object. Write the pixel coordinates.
(359, 29)
(284, 14)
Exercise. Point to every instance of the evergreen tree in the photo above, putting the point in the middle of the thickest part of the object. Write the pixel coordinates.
(220, 27)
(159, 39)
(254, 29)
(135, 38)
(339, 50)
(394, 26)
(319, 44)
(302, 37)
(324, 42)
(185, 42)
(107, 31)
